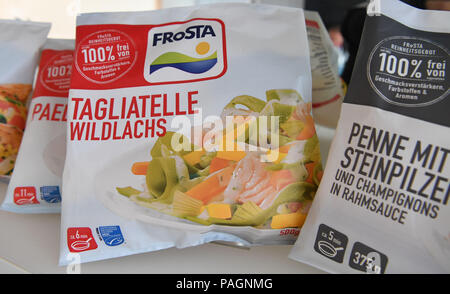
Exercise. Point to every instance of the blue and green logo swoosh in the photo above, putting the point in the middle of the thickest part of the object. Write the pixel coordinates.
(184, 62)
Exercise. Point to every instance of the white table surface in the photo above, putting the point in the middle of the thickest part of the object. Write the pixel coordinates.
(30, 244)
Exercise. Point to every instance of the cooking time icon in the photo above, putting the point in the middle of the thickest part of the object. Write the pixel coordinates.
(80, 239)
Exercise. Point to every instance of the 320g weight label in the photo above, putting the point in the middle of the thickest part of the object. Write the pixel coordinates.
(408, 71)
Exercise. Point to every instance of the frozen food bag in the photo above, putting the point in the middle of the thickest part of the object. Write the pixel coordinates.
(187, 126)
(35, 185)
(20, 42)
(327, 90)
(383, 203)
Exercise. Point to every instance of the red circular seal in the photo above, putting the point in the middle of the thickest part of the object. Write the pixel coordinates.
(55, 76)
(105, 56)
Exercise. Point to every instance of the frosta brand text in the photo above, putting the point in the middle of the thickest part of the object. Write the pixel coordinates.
(187, 51)
(197, 31)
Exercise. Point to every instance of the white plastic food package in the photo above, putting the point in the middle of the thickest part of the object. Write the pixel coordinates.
(162, 148)
(20, 44)
(35, 186)
(327, 90)
(383, 203)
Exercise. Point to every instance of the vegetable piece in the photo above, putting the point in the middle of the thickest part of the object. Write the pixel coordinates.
(212, 185)
(279, 94)
(235, 132)
(247, 213)
(198, 220)
(219, 210)
(319, 177)
(252, 103)
(189, 183)
(205, 159)
(312, 150)
(162, 178)
(285, 148)
(283, 111)
(128, 191)
(184, 205)
(218, 164)
(280, 110)
(292, 128)
(194, 157)
(317, 173)
(284, 209)
(294, 206)
(290, 220)
(308, 131)
(196, 171)
(310, 168)
(165, 143)
(283, 140)
(280, 157)
(282, 165)
(231, 155)
(156, 178)
(140, 168)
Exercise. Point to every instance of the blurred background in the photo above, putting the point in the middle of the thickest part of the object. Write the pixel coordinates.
(344, 19)
(62, 13)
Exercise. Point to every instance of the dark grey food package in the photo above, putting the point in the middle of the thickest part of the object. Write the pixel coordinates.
(383, 202)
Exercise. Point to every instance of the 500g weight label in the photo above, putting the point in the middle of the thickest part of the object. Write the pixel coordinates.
(408, 71)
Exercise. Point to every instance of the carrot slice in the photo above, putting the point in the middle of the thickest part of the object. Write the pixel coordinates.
(320, 175)
(284, 149)
(211, 186)
(231, 155)
(309, 130)
(218, 164)
(194, 157)
(310, 168)
(140, 168)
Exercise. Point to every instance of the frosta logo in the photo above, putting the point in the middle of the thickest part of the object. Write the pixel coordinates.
(187, 51)
(185, 62)
(190, 33)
